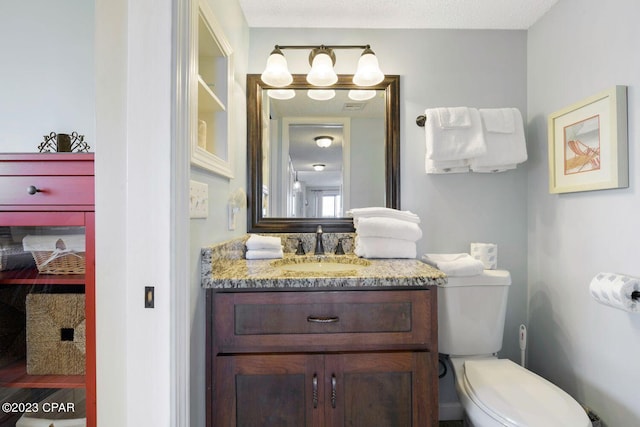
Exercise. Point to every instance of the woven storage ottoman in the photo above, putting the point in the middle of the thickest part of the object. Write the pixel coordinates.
(55, 334)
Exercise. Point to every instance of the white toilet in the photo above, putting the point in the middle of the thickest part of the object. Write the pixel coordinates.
(492, 391)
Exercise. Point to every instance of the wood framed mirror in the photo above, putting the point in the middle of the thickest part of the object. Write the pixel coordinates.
(364, 172)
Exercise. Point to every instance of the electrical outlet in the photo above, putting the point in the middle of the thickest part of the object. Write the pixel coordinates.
(198, 199)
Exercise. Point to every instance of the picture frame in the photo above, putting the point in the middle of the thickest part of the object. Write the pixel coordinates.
(588, 145)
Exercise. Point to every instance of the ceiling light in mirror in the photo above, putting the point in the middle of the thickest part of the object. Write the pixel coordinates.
(323, 141)
(318, 167)
(361, 95)
(321, 94)
(283, 94)
(276, 72)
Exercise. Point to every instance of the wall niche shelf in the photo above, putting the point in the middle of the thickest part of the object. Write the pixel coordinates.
(213, 76)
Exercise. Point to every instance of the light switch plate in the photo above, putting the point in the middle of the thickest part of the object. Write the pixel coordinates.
(198, 199)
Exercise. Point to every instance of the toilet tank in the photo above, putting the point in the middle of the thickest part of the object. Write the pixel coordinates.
(471, 313)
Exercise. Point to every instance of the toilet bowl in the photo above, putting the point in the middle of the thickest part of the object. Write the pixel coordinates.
(499, 392)
(492, 391)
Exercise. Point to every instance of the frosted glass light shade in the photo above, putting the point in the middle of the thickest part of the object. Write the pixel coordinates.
(368, 72)
(276, 72)
(322, 73)
(318, 167)
(323, 141)
(321, 94)
(361, 95)
(281, 93)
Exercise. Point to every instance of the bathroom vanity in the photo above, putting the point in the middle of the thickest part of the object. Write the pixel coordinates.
(329, 341)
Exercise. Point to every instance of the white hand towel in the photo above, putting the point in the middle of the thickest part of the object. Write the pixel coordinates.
(453, 143)
(498, 120)
(381, 247)
(461, 264)
(443, 167)
(264, 253)
(257, 241)
(358, 213)
(504, 150)
(615, 291)
(66, 242)
(388, 227)
(454, 117)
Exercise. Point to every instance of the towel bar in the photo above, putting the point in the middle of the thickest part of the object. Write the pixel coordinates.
(421, 120)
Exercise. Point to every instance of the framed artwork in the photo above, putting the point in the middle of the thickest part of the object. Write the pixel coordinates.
(588, 147)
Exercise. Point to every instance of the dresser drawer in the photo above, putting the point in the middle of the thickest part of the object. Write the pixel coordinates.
(52, 190)
(322, 321)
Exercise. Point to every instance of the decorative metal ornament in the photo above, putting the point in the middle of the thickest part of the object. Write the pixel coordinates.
(63, 143)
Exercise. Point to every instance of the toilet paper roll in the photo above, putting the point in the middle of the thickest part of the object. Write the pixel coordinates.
(615, 290)
(202, 134)
(487, 253)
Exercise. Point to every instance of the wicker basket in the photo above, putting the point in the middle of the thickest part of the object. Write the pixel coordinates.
(56, 334)
(53, 262)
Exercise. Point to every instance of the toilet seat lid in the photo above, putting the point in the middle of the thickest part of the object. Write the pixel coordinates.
(517, 397)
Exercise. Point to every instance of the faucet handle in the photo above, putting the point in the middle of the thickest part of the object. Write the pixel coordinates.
(300, 247)
(339, 248)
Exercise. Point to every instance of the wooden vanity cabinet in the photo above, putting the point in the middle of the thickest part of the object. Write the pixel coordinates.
(322, 358)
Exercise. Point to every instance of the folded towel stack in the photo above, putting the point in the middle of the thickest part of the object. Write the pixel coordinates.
(462, 264)
(264, 247)
(463, 139)
(385, 233)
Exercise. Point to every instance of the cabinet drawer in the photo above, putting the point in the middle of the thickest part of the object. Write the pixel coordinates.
(53, 190)
(339, 320)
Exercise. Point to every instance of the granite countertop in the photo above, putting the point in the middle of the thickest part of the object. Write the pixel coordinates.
(228, 270)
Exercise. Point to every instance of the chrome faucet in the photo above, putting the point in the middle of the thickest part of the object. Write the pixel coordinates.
(319, 246)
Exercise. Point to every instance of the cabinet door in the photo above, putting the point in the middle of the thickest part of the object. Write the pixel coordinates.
(269, 390)
(378, 390)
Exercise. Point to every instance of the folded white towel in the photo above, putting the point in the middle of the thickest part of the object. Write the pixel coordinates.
(446, 166)
(462, 264)
(358, 213)
(382, 247)
(66, 242)
(498, 120)
(257, 241)
(454, 117)
(504, 150)
(264, 253)
(388, 227)
(453, 143)
(615, 290)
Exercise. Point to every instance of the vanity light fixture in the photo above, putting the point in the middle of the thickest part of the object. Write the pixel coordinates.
(322, 59)
(281, 93)
(321, 94)
(323, 141)
(318, 167)
(361, 95)
(297, 186)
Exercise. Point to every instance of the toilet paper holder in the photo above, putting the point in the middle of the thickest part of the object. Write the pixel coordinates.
(635, 295)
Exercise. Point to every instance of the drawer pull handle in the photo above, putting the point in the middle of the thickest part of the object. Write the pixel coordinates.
(334, 396)
(323, 319)
(314, 391)
(32, 189)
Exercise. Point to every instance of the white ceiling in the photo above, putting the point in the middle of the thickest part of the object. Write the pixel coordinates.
(453, 14)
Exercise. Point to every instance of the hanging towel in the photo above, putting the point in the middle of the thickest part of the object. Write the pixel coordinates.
(454, 117)
(461, 264)
(504, 150)
(381, 247)
(446, 166)
(615, 290)
(454, 143)
(257, 241)
(498, 120)
(358, 213)
(388, 227)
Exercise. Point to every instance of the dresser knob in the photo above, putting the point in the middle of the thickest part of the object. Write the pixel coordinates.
(32, 189)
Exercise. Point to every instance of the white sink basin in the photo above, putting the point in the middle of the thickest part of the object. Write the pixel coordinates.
(321, 266)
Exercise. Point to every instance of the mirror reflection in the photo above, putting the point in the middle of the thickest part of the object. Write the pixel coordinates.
(322, 157)
(313, 154)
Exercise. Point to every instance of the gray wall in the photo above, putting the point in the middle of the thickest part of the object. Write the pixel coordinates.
(578, 49)
(443, 68)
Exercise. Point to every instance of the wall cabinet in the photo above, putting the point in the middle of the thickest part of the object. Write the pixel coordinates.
(45, 196)
(213, 77)
(318, 358)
